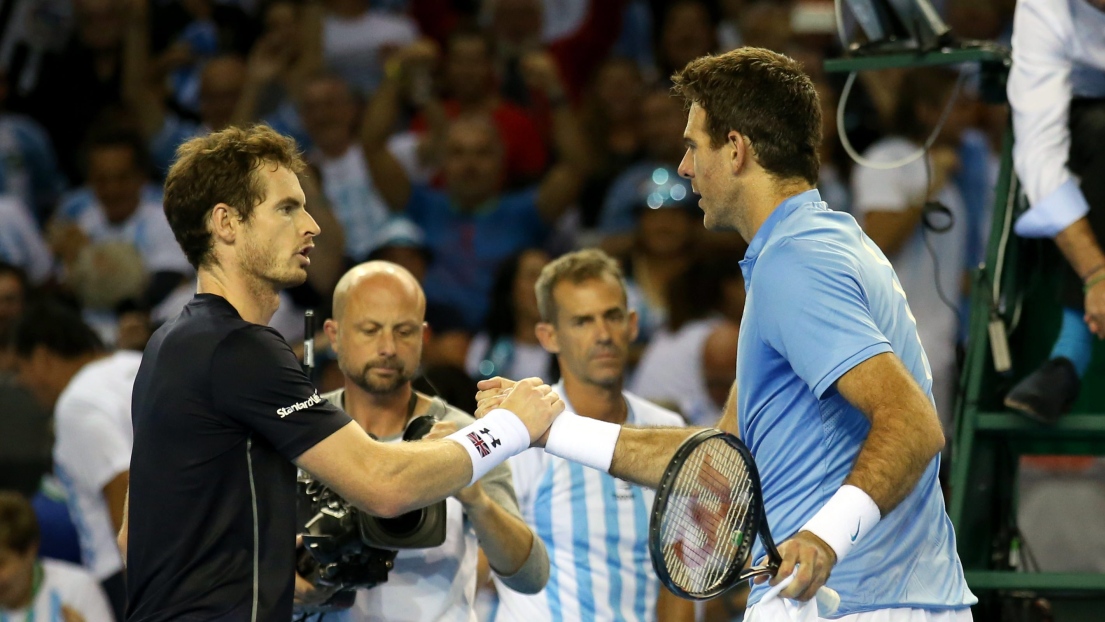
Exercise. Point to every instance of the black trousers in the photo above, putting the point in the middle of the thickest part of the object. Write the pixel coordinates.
(1087, 160)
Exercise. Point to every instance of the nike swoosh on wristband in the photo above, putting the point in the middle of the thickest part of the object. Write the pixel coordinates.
(856, 534)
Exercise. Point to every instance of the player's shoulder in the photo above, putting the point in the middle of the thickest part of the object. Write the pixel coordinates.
(210, 327)
(644, 412)
(245, 339)
(791, 251)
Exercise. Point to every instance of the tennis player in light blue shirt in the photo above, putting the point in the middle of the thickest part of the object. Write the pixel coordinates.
(833, 392)
(822, 298)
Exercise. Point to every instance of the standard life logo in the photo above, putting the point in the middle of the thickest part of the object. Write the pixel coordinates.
(298, 406)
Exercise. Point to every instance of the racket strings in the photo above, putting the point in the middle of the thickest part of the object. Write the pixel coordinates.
(707, 528)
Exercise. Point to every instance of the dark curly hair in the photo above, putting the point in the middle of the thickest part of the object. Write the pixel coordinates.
(221, 168)
(763, 95)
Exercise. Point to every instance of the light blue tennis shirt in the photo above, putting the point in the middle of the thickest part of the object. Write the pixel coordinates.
(822, 298)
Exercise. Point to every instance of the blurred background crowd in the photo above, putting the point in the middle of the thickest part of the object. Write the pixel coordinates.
(468, 141)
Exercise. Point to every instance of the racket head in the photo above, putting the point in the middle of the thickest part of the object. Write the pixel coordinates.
(705, 518)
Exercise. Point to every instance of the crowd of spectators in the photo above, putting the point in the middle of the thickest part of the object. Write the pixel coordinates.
(470, 142)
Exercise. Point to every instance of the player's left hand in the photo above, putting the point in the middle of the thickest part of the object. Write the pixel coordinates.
(1095, 309)
(813, 557)
(467, 496)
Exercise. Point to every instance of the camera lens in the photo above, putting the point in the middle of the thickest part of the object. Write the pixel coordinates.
(404, 525)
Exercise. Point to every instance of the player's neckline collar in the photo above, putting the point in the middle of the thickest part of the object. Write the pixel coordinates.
(784, 209)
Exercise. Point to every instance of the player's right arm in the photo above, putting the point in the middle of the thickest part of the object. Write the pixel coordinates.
(386, 479)
(258, 385)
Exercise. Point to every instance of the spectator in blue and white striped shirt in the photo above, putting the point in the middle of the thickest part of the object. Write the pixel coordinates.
(594, 525)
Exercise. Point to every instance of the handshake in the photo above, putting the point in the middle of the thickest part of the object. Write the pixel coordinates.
(532, 401)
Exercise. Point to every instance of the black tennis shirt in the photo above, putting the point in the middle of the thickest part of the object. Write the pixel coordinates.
(220, 409)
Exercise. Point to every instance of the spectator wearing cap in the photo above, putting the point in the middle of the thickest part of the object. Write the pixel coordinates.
(402, 242)
(662, 122)
(668, 224)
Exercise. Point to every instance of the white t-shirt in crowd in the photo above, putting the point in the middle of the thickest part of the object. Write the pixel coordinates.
(670, 372)
(94, 437)
(64, 585)
(353, 197)
(21, 242)
(895, 190)
(352, 47)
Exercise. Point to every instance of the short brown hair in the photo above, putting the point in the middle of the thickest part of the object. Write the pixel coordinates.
(221, 168)
(765, 96)
(576, 267)
(18, 524)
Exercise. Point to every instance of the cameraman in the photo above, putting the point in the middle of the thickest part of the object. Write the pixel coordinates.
(377, 331)
(223, 413)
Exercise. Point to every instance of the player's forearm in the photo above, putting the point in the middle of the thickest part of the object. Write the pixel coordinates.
(414, 476)
(506, 540)
(642, 454)
(896, 453)
(1080, 248)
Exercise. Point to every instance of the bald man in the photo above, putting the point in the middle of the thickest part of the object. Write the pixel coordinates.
(378, 331)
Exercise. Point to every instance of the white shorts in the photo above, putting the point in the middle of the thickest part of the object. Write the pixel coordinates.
(785, 610)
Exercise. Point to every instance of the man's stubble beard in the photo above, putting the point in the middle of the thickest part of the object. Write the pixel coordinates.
(260, 264)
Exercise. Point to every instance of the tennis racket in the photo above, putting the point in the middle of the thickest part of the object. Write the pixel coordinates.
(707, 513)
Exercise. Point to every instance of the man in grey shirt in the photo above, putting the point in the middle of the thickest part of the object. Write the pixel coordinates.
(377, 331)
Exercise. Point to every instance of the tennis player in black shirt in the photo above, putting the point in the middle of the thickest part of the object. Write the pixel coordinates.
(223, 413)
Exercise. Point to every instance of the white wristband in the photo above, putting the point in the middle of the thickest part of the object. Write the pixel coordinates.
(589, 442)
(844, 520)
(497, 436)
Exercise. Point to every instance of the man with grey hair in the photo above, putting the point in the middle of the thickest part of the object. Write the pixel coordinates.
(584, 515)
(378, 331)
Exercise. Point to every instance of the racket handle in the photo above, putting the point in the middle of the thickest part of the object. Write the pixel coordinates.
(827, 601)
